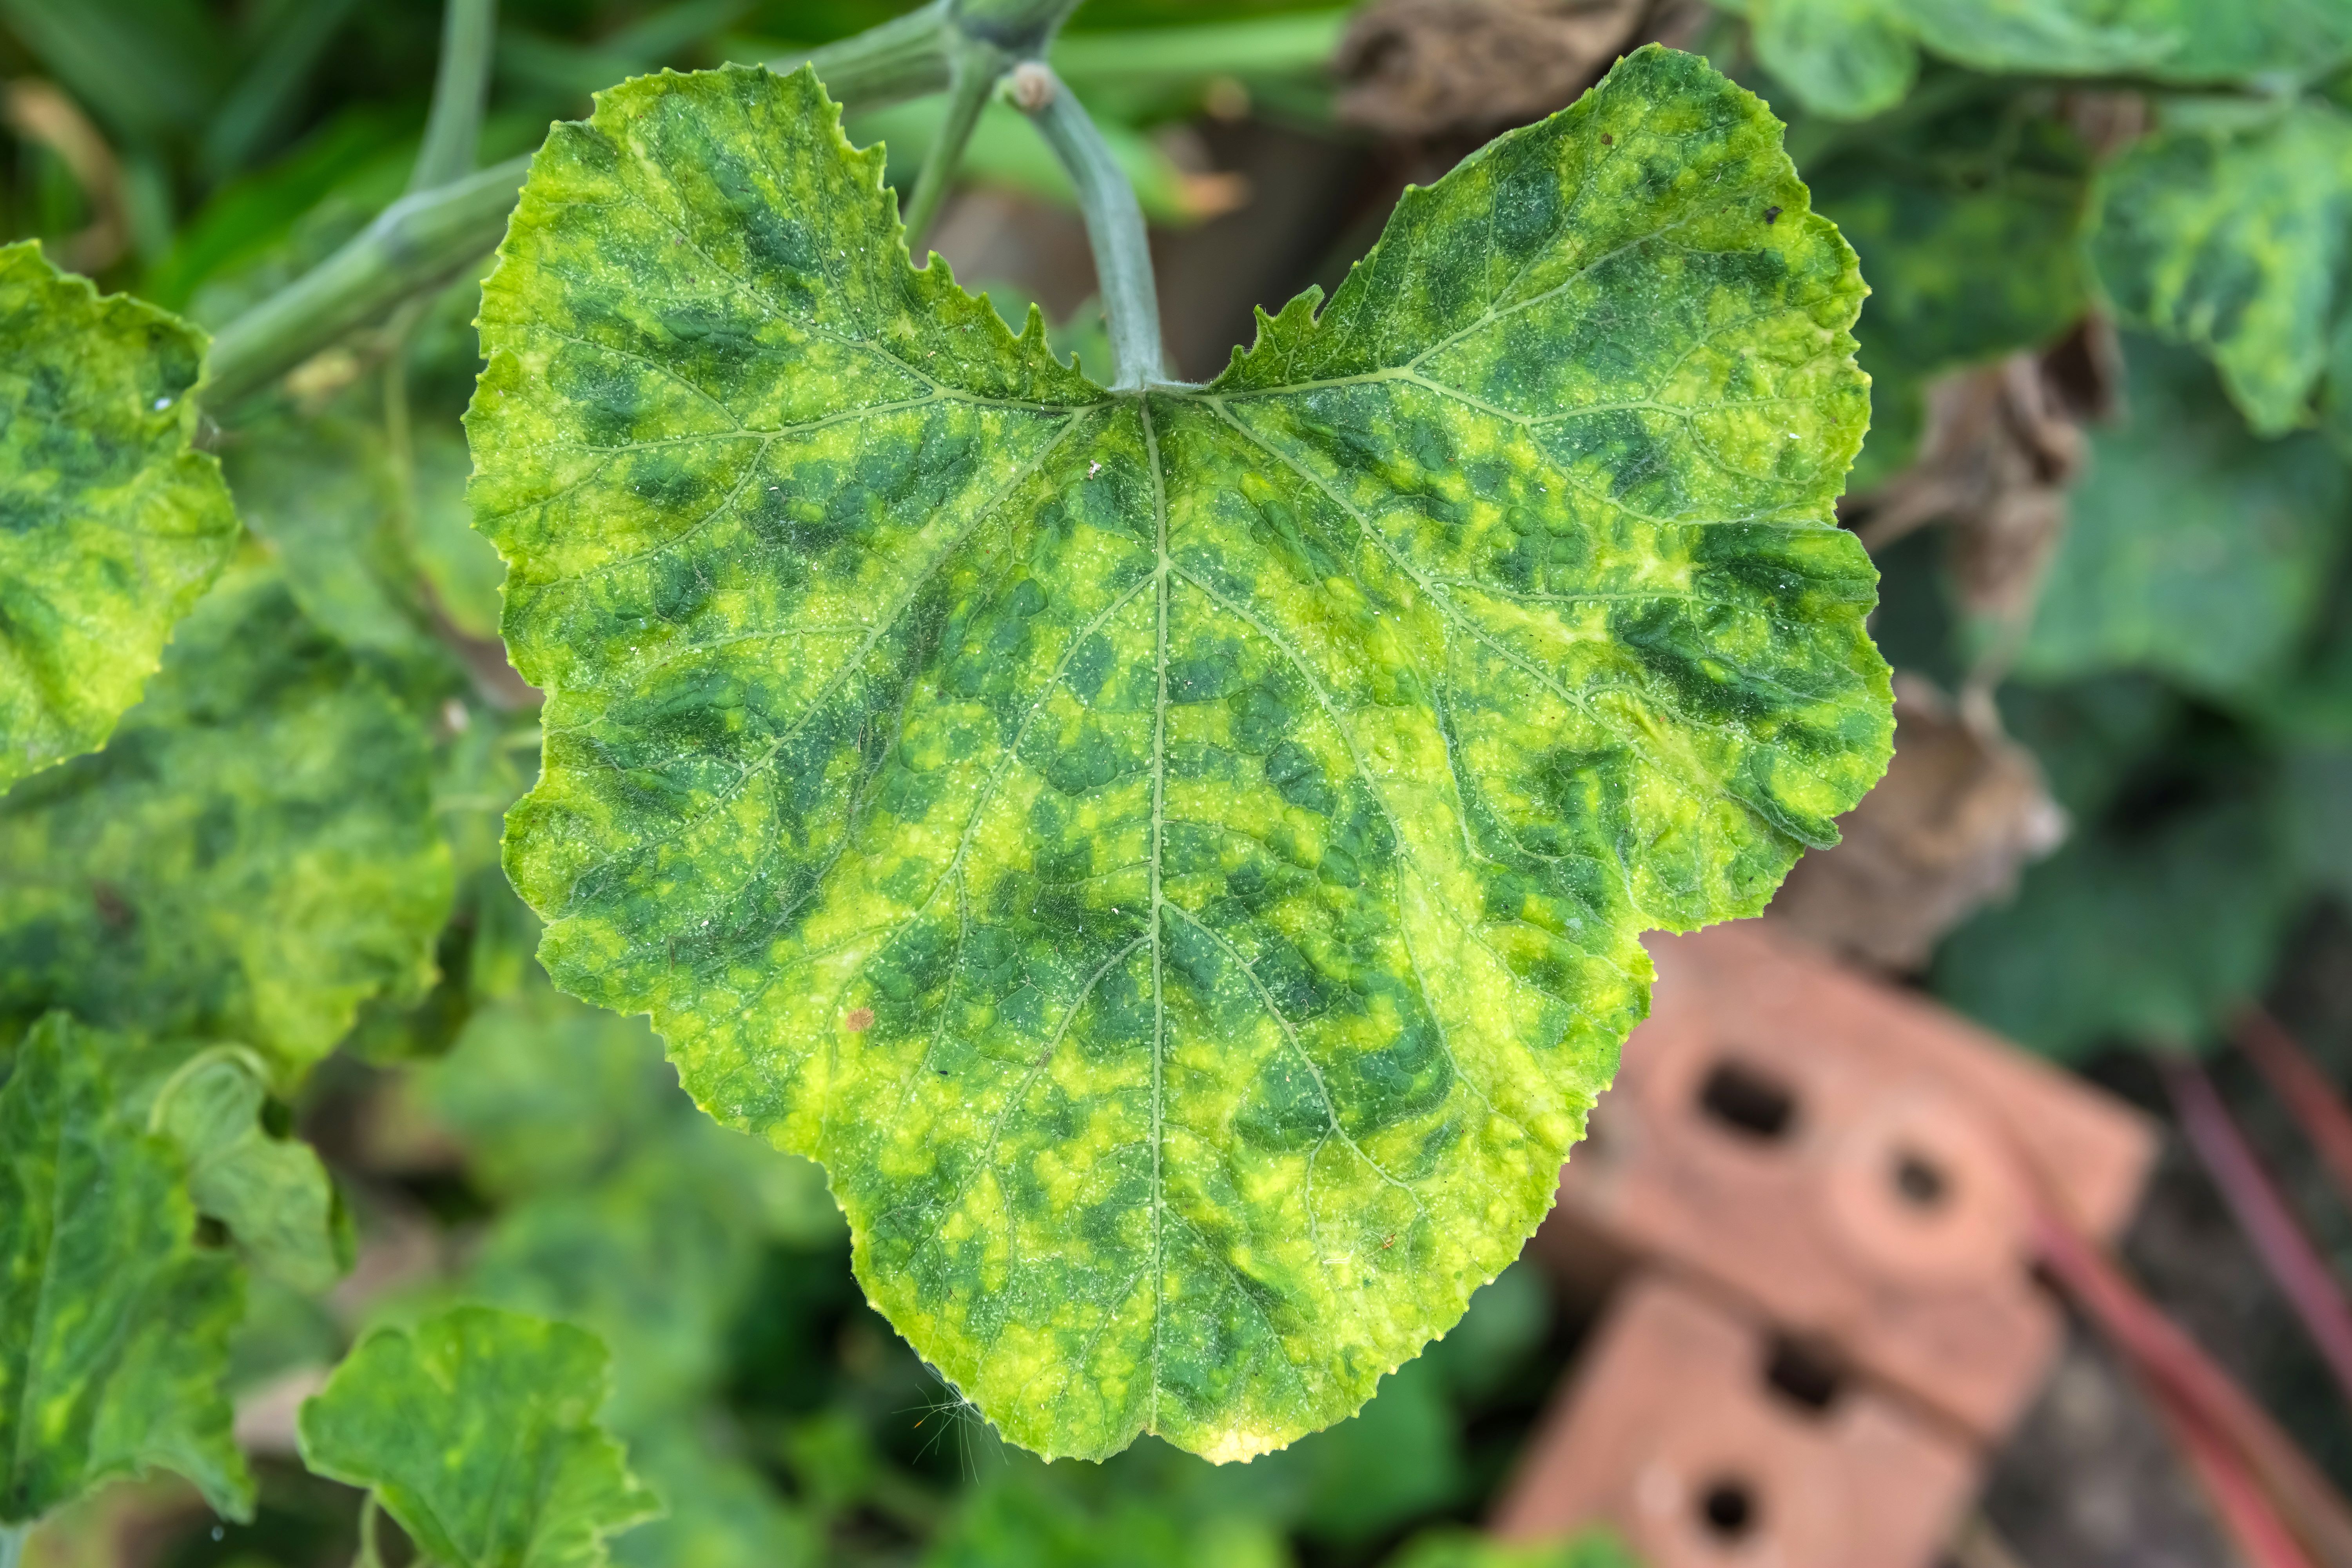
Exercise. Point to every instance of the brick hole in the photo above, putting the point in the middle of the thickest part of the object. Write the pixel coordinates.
(1806, 1375)
(1919, 1181)
(1727, 1508)
(1751, 1103)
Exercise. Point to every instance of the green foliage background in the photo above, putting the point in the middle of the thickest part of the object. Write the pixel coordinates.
(292, 843)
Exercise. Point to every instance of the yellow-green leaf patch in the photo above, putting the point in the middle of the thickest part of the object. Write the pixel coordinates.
(110, 526)
(1176, 858)
(251, 857)
(2227, 231)
(114, 1325)
(476, 1430)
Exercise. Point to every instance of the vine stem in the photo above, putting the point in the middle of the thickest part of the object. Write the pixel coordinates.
(422, 240)
(417, 243)
(461, 88)
(974, 70)
(904, 58)
(1114, 221)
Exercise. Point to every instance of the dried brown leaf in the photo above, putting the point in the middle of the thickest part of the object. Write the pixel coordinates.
(1430, 67)
(1961, 810)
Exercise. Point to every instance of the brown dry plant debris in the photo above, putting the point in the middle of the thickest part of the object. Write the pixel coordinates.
(1433, 68)
(1961, 810)
(2003, 442)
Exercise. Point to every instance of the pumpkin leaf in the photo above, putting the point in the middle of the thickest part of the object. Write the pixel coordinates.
(654, 1261)
(110, 526)
(1970, 225)
(2228, 234)
(2184, 519)
(114, 1325)
(476, 1430)
(1849, 60)
(2280, 40)
(272, 1194)
(319, 493)
(1176, 858)
(2047, 37)
(251, 857)
(1846, 59)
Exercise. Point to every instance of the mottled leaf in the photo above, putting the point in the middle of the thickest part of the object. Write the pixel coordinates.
(1846, 59)
(1175, 858)
(114, 1325)
(1005, 153)
(110, 525)
(271, 1193)
(1849, 60)
(251, 857)
(1969, 227)
(476, 1430)
(2194, 548)
(2229, 235)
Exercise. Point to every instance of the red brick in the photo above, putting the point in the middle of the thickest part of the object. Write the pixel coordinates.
(1810, 1222)
(1671, 1405)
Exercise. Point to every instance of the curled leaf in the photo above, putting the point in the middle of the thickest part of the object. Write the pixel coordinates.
(272, 1194)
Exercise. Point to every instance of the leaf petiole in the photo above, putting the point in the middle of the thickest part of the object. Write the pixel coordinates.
(975, 66)
(370, 1554)
(1114, 220)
